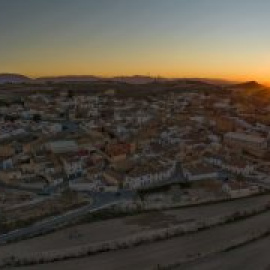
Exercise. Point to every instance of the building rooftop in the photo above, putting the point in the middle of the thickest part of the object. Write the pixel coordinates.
(245, 137)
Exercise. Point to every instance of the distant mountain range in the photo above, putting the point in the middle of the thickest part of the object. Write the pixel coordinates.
(71, 78)
(137, 79)
(251, 85)
(13, 78)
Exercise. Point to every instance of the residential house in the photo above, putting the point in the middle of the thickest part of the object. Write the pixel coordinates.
(252, 144)
(200, 172)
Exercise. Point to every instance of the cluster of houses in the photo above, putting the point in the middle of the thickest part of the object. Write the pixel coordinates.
(104, 142)
(150, 173)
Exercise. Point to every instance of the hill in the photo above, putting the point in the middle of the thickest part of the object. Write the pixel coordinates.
(136, 79)
(13, 78)
(250, 85)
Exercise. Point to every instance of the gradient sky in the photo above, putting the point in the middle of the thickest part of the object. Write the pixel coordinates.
(173, 38)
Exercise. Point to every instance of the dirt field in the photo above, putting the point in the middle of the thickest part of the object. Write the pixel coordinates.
(121, 227)
(147, 256)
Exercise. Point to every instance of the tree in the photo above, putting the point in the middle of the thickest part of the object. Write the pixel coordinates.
(3, 224)
(70, 196)
(120, 185)
(10, 118)
(70, 94)
(36, 117)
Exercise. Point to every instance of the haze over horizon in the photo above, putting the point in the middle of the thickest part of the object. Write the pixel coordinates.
(177, 38)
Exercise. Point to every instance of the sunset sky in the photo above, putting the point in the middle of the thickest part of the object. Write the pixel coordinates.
(171, 38)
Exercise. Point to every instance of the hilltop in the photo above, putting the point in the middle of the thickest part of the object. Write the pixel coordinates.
(13, 78)
(250, 85)
(135, 79)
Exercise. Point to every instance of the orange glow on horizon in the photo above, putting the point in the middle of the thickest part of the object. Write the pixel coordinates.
(173, 39)
(172, 75)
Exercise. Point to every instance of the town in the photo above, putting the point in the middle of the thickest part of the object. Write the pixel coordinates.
(134, 135)
(66, 153)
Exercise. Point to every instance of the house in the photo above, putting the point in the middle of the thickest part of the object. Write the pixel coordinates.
(111, 188)
(60, 147)
(119, 151)
(55, 179)
(29, 142)
(6, 163)
(112, 177)
(239, 167)
(252, 144)
(238, 189)
(149, 174)
(70, 126)
(224, 124)
(54, 128)
(200, 172)
(7, 150)
(73, 166)
(233, 165)
(10, 176)
(93, 173)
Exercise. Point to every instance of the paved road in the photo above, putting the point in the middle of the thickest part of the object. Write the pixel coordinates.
(100, 202)
(146, 256)
(37, 200)
(20, 188)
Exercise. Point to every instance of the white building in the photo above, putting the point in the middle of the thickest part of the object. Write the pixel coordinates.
(245, 140)
(73, 167)
(148, 178)
(234, 166)
(60, 147)
(198, 173)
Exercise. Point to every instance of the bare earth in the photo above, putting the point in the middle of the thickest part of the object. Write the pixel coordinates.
(147, 256)
(254, 256)
(144, 257)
